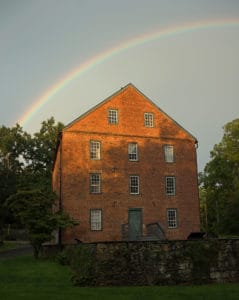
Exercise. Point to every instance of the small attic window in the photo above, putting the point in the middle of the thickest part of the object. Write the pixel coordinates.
(113, 116)
(148, 120)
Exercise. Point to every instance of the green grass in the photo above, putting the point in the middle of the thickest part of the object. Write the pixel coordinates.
(26, 278)
(8, 245)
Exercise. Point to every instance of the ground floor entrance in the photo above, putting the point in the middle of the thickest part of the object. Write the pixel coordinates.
(135, 223)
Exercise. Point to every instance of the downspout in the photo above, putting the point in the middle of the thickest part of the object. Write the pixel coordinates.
(196, 163)
(60, 193)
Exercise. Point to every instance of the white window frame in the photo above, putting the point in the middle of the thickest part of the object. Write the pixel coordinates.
(148, 119)
(172, 218)
(133, 151)
(95, 183)
(134, 184)
(113, 116)
(169, 153)
(170, 185)
(95, 150)
(96, 219)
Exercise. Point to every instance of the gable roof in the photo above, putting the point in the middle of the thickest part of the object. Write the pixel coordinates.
(129, 85)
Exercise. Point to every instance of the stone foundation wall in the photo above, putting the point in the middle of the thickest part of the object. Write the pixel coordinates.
(174, 262)
(155, 263)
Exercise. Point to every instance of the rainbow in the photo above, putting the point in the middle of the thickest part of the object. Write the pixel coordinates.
(121, 47)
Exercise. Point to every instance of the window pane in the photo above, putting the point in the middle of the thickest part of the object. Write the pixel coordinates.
(148, 120)
(95, 219)
(94, 150)
(172, 218)
(168, 153)
(134, 184)
(133, 151)
(170, 185)
(112, 116)
(95, 183)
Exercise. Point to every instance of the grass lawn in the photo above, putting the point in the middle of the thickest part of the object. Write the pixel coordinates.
(26, 278)
(8, 245)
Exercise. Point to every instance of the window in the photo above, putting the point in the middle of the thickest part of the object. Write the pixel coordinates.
(148, 120)
(172, 217)
(113, 116)
(168, 153)
(134, 185)
(95, 187)
(170, 185)
(133, 151)
(94, 150)
(96, 219)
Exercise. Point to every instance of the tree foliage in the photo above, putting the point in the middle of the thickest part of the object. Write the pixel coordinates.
(41, 148)
(13, 143)
(13, 146)
(35, 210)
(220, 184)
(25, 180)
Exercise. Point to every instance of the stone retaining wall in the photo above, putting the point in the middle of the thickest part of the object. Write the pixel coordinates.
(156, 263)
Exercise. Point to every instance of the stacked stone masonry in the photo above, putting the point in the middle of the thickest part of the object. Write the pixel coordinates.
(161, 263)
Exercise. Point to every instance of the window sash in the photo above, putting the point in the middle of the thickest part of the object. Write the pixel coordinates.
(170, 185)
(172, 217)
(133, 151)
(169, 153)
(95, 183)
(96, 219)
(134, 185)
(148, 120)
(113, 116)
(95, 150)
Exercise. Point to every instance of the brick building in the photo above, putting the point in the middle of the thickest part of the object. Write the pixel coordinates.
(127, 171)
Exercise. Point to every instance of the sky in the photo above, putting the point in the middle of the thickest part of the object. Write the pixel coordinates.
(62, 57)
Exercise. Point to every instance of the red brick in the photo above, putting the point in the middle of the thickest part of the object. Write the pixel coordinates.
(73, 165)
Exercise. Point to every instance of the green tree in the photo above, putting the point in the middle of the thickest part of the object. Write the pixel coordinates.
(7, 187)
(220, 182)
(41, 149)
(26, 161)
(40, 155)
(13, 143)
(35, 209)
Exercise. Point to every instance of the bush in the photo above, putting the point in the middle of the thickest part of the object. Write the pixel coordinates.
(81, 260)
(63, 258)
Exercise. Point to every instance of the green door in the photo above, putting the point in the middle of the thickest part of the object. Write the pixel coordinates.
(135, 223)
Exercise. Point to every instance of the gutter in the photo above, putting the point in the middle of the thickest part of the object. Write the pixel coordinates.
(60, 189)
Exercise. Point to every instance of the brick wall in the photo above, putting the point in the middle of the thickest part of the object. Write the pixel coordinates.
(115, 169)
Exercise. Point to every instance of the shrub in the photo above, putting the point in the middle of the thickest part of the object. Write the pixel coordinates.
(81, 260)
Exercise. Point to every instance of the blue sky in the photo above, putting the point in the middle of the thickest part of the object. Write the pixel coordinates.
(192, 75)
